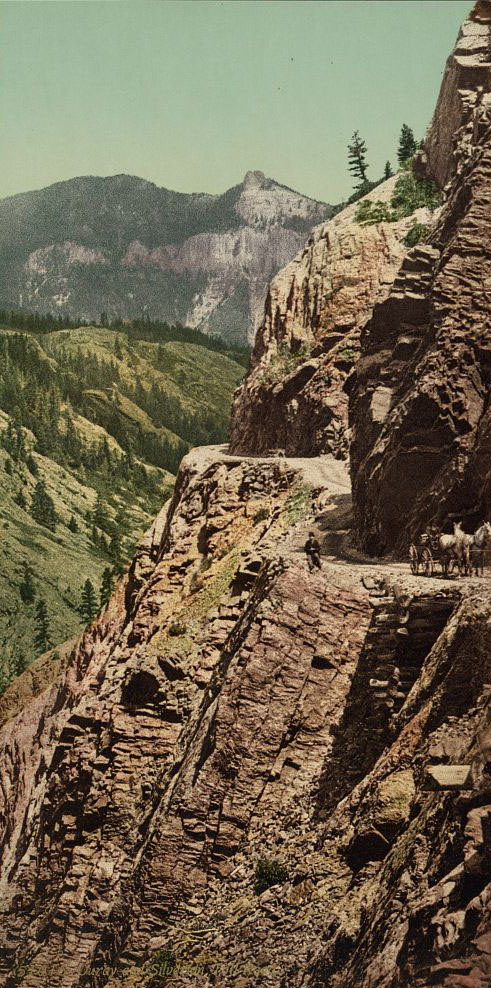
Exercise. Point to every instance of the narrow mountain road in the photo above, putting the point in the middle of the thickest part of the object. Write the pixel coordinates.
(316, 471)
(331, 521)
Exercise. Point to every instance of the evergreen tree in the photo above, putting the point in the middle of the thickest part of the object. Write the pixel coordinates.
(9, 440)
(407, 144)
(42, 638)
(88, 606)
(26, 589)
(32, 465)
(19, 442)
(115, 547)
(106, 586)
(72, 442)
(8, 466)
(21, 663)
(4, 675)
(388, 173)
(101, 516)
(54, 409)
(44, 444)
(20, 500)
(357, 162)
(42, 507)
(72, 524)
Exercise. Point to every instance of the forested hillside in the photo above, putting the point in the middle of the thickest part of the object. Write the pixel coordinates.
(93, 424)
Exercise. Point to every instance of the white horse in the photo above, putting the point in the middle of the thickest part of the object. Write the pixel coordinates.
(462, 548)
(480, 541)
(452, 549)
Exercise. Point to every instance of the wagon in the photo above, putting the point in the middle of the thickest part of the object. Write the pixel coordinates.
(425, 554)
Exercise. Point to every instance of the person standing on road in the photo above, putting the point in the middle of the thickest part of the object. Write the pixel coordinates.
(313, 552)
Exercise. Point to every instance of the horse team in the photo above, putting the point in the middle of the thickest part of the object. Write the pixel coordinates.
(468, 551)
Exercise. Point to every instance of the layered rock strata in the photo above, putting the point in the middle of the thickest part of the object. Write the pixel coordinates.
(420, 392)
(293, 396)
(134, 777)
(213, 716)
(465, 87)
(233, 715)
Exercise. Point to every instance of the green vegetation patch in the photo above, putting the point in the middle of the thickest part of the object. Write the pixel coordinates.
(215, 588)
(269, 872)
(417, 233)
(284, 362)
(410, 193)
(93, 425)
(299, 504)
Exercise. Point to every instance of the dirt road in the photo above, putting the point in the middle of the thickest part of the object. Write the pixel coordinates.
(342, 563)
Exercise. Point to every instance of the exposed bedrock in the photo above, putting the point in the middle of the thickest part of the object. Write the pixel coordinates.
(465, 87)
(189, 709)
(293, 396)
(419, 395)
(231, 705)
(420, 392)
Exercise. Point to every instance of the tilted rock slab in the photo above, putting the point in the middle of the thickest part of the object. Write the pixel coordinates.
(200, 724)
(293, 396)
(135, 778)
(467, 79)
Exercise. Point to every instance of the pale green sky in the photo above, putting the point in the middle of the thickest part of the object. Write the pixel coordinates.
(190, 94)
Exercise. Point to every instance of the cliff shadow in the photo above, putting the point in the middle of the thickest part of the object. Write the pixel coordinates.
(395, 648)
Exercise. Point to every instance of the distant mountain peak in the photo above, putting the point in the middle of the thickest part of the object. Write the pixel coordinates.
(122, 245)
(254, 179)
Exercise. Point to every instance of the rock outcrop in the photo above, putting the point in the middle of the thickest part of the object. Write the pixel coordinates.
(293, 396)
(466, 86)
(420, 392)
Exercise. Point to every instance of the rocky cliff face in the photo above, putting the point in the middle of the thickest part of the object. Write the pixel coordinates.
(293, 397)
(248, 772)
(124, 246)
(465, 87)
(420, 395)
(245, 708)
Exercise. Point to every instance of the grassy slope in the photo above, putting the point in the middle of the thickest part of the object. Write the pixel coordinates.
(195, 376)
(61, 561)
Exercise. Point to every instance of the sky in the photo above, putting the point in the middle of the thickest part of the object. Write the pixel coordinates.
(191, 94)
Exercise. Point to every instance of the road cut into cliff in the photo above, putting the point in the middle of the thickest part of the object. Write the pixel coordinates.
(231, 711)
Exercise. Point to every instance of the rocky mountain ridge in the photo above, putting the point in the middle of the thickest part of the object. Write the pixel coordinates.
(371, 348)
(126, 247)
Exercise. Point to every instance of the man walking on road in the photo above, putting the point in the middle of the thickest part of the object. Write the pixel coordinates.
(313, 552)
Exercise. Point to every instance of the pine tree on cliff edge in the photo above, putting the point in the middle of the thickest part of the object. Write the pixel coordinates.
(357, 162)
(407, 144)
(88, 606)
